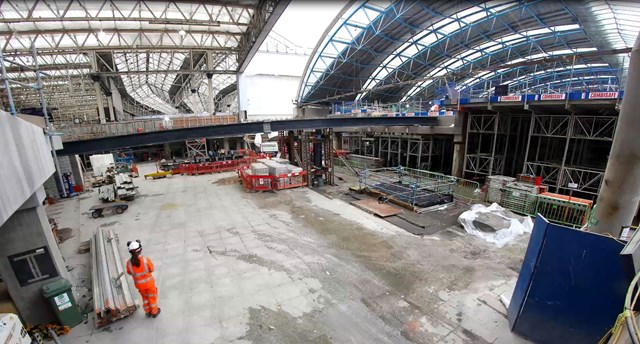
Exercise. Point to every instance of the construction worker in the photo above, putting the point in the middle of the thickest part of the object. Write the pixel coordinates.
(141, 268)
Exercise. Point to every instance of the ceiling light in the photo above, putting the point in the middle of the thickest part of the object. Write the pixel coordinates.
(182, 32)
(102, 35)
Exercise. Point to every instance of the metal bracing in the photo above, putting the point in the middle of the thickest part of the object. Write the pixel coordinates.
(196, 148)
(587, 181)
(487, 139)
(551, 126)
(594, 127)
(409, 151)
(561, 149)
(550, 173)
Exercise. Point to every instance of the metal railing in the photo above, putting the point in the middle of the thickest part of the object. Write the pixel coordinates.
(567, 212)
(467, 191)
(92, 131)
(409, 186)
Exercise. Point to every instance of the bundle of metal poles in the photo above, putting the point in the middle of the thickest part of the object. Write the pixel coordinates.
(112, 298)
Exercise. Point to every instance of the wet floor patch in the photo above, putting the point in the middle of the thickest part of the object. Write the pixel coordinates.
(169, 207)
(65, 234)
(226, 181)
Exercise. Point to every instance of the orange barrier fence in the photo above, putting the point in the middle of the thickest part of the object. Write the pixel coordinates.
(216, 166)
(269, 183)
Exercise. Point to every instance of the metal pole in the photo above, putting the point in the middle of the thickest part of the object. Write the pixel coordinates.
(560, 180)
(47, 130)
(12, 106)
(466, 146)
(620, 189)
(493, 143)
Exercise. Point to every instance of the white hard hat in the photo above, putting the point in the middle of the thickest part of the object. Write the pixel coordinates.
(134, 245)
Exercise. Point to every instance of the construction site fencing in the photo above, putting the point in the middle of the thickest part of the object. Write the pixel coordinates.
(573, 213)
(564, 212)
(466, 191)
(437, 182)
(216, 166)
(271, 183)
(409, 186)
(290, 180)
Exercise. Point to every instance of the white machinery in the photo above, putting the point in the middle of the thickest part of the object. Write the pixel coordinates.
(12, 331)
(269, 147)
(100, 163)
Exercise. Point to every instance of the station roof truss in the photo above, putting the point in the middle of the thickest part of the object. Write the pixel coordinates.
(391, 51)
(154, 52)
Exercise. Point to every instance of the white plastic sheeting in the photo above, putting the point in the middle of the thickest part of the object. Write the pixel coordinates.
(494, 224)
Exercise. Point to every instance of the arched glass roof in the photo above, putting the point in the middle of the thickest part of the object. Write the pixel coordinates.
(410, 49)
(152, 47)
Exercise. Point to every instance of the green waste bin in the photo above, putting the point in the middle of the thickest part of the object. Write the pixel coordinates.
(62, 302)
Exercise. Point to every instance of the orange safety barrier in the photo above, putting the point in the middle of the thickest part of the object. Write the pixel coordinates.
(339, 152)
(268, 183)
(255, 183)
(290, 180)
(215, 166)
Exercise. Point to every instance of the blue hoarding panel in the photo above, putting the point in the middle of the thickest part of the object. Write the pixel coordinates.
(571, 286)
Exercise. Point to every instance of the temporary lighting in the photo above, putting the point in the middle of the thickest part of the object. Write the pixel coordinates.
(182, 32)
(102, 35)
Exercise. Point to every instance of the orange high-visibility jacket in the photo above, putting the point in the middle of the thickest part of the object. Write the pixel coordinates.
(142, 276)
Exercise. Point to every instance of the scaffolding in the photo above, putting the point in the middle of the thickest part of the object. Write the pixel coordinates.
(196, 148)
(487, 137)
(38, 86)
(566, 151)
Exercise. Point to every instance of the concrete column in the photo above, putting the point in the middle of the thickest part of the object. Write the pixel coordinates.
(620, 190)
(458, 156)
(167, 151)
(96, 85)
(112, 115)
(76, 170)
(459, 147)
(27, 242)
(225, 142)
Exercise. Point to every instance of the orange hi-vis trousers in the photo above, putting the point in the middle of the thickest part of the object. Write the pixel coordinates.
(149, 299)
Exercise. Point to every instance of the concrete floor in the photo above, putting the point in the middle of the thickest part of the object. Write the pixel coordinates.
(291, 267)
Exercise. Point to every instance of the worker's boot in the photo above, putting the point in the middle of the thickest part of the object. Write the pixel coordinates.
(148, 315)
(156, 315)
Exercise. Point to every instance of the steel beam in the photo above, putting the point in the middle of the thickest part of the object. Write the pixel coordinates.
(231, 130)
(264, 18)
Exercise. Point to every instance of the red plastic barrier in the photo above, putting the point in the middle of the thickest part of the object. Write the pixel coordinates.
(215, 166)
(255, 183)
(338, 152)
(290, 180)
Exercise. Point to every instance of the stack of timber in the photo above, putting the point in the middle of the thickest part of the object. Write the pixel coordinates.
(112, 298)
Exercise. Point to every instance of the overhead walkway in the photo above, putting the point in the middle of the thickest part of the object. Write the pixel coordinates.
(238, 129)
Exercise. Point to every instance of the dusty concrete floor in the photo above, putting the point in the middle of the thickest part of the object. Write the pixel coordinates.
(292, 267)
